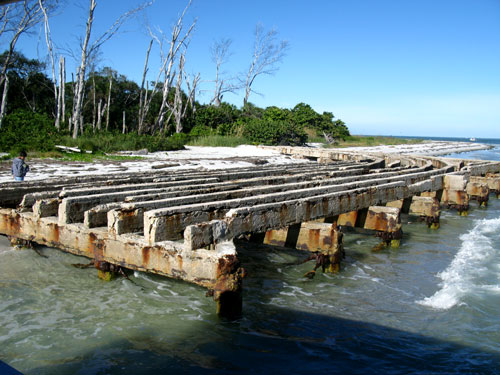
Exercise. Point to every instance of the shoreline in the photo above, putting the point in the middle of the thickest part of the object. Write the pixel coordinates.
(195, 157)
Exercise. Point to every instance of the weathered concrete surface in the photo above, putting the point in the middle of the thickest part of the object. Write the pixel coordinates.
(348, 219)
(478, 191)
(167, 258)
(428, 208)
(383, 219)
(263, 217)
(166, 223)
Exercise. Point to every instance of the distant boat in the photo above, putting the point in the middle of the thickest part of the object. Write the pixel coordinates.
(472, 139)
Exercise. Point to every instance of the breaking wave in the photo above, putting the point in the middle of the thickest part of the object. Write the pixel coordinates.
(470, 270)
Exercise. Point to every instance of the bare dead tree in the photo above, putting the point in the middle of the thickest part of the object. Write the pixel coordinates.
(100, 113)
(108, 104)
(179, 108)
(94, 104)
(219, 52)
(78, 92)
(50, 52)
(175, 43)
(16, 20)
(62, 85)
(167, 61)
(268, 52)
(70, 121)
(4, 99)
(124, 124)
(92, 49)
(143, 94)
(192, 89)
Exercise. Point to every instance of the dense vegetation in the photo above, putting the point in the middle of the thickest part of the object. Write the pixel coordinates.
(29, 120)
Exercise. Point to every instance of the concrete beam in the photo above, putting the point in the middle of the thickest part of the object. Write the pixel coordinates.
(170, 259)
(262, 217)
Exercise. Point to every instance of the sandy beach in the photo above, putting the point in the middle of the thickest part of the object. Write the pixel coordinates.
(212, 158)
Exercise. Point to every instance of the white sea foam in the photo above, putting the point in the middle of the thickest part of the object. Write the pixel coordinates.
(463, 276)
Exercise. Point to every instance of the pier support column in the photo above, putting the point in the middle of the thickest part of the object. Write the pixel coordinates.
(285, 237)
(478, 190)
(227, 291)
(348, 219)
(386, 221)
(455, 195)
(106, 271)
(402, 204)
(324, 239)
(426, 208)
(493, 180)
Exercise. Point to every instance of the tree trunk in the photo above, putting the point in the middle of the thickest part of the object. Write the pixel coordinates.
(62, 89)
(124, 126)
(143, 95)
(81, 72)
(4, 99)
(108, 104)
(94, 108)
(99, 114)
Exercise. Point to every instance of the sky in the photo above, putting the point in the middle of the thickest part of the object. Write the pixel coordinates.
(385, 67)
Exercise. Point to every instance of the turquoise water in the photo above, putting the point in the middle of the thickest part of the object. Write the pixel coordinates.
(430, 306)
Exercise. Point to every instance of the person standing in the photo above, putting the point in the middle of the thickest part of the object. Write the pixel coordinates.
(19, 167)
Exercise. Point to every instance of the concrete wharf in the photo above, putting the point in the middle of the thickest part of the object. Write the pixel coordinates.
(181, 224)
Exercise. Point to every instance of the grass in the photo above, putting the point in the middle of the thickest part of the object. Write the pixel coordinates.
(367, 141)
(219, 141)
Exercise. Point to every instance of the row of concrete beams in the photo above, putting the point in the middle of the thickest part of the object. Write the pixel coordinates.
(130, 216)
(218, 268)
(76, 201)
(116, 193)
(11, 193)
(168, 223)
(225, 200)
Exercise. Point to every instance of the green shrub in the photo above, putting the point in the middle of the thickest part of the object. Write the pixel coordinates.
(212, 117)
(26, 130)
(274, 132)
(227, 128)
(201, 131)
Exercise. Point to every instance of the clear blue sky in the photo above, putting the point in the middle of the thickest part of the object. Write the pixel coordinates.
(394, 67)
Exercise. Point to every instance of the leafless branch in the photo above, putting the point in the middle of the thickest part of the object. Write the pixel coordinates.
(267, 54)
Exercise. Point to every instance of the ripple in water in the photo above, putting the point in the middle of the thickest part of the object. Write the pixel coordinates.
(472, 269)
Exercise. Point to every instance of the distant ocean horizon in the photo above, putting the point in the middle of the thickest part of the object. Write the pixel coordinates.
(449, 139)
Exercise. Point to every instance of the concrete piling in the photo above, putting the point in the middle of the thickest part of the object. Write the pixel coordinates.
(428, 209)
(386, 222)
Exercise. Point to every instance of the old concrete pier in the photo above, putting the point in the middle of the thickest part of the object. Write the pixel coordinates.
(181, 224)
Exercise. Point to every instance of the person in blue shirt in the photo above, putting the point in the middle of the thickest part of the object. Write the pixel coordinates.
(19, 167)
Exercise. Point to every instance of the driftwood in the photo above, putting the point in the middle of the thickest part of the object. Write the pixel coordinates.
(71, 150)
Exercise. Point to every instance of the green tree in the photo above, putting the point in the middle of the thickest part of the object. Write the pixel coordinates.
(333, 128)
(274, 113)
(29, 87)
(274, 132)
(303, 115)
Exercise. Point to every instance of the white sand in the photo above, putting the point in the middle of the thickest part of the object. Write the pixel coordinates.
(217, 158)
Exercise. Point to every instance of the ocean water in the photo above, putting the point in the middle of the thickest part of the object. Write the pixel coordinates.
(429, 307)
